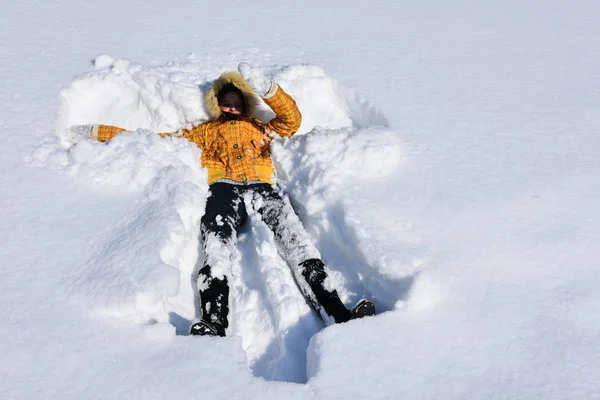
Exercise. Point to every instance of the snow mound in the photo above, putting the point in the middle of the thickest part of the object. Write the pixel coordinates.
(129, 95)
(167, 98)
(325, 102)
(149, 256)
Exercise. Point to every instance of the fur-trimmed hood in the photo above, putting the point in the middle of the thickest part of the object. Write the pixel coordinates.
(212, 103)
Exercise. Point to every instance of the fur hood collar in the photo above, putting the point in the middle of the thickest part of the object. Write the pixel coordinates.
(210, 98)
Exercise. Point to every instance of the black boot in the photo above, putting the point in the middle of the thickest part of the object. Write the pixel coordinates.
(203, 328)
(214, 302)
(363, 308)
(314, 273)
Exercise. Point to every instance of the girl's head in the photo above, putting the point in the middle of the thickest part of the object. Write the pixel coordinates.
(229, 96)
(231, 100)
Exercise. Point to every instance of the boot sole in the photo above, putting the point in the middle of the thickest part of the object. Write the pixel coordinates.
(202, 328)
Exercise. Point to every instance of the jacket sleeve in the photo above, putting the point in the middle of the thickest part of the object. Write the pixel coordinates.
(287, 115)
(103, 133)
(196, 135)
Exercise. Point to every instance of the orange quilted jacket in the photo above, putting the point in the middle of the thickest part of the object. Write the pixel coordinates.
(235, 150)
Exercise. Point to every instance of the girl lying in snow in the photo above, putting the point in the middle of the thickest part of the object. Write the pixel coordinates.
(236, 151)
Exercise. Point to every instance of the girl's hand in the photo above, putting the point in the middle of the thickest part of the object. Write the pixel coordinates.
(255, 78)
(76, 133)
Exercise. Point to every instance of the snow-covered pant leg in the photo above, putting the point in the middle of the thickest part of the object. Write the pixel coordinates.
(302, 256)
(329, 303)
(225, 213)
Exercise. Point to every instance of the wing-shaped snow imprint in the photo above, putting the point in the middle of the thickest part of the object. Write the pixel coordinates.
(337, 182)
(335, 171)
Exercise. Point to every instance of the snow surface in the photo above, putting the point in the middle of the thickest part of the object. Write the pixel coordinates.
(447, 167)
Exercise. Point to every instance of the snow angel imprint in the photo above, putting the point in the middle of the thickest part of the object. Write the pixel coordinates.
(236, 151)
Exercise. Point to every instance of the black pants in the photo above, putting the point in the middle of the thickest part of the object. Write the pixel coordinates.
(225, 214)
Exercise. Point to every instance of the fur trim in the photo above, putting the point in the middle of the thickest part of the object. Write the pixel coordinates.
(210, 98)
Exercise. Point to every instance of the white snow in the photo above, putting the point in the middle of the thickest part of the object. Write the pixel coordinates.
(447, 167)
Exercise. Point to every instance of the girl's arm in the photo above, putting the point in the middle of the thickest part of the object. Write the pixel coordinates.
(287, 115)
(104, 133)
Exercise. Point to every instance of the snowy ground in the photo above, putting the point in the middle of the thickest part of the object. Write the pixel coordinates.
(447, 167)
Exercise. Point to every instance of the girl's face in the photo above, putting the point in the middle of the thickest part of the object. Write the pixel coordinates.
(232, 102)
